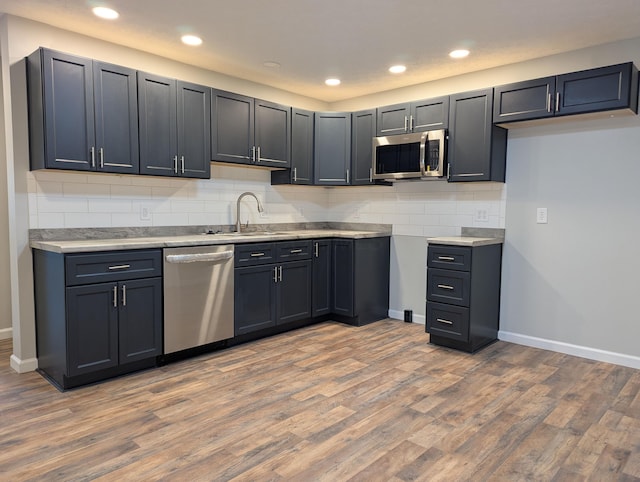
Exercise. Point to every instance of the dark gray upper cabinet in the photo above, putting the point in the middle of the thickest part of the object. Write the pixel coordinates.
(603, 89)
(245, 130)
(477, 148)
(423, 115)
(332, 148)
(363, 129)
(82, 114)
(174, 127)
(301, 151)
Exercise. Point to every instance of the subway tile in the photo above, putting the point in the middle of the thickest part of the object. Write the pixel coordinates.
(58, 204)
(74, 189)
(87, 220)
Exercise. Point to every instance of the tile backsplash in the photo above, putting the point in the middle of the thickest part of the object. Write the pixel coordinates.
(65, 199)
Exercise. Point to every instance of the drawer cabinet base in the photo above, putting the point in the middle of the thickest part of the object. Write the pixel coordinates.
(460, 345)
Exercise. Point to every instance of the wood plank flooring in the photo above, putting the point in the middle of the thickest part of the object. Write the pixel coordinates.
(331, 403)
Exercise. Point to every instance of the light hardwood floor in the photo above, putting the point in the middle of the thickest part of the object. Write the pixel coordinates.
(331, 402)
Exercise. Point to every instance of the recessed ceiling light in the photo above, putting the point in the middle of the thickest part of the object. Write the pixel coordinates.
(105, 12)
(332, 82)
(271, 64)
(191, 40)
(458, 54)
(397, 69)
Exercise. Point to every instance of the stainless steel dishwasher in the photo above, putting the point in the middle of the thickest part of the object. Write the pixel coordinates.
(198, 296)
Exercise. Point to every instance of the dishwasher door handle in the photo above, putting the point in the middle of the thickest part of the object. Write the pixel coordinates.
(199, 257)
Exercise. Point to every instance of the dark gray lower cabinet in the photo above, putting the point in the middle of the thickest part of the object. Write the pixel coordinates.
(270, 294)
(322, 269)
(97, 314)
(463, 295)
(360, 280)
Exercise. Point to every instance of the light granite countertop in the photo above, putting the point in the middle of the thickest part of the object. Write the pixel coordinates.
(91, 245)
(465, 241)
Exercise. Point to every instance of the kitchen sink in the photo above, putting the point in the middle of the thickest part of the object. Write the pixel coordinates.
(248, 233)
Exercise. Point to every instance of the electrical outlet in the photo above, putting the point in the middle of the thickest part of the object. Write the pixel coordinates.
(541, 216)
(482, 215)
(145, 213)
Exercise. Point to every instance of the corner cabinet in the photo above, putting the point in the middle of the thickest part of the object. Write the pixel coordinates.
(83, 114)
(463, 295)
(250, 131)
(98, 315)
(477, 148)
(610, 88)
(332, 148)
(174, 127)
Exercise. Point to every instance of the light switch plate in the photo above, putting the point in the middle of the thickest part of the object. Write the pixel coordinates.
(541, 216)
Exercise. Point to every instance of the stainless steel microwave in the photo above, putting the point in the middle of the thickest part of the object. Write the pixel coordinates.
(409, 156)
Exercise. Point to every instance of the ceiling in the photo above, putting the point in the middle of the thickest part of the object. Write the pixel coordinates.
(355, 40)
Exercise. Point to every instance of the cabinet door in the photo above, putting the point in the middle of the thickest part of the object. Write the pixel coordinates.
(68, 111)
(273, 134)
(140, 319)
(477, 148)
(363, 130)
(293, 291)
(429, 114)
(92, 328)
(255, 298)
(532, 99)
(393, 119)
(301, 146)
(232, 128)
(158, 125)
(332, 150)
(116, 118)
(194, 130)
(594, 90)
(322, 267)
(343, 299)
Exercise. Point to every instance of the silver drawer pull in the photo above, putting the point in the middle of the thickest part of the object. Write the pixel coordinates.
(120, 266)
(293, 251)
(446, 258)
(256, 255)
(444, 321)
(446, 287)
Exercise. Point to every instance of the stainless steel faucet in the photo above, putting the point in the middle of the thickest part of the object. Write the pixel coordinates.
(260, 209)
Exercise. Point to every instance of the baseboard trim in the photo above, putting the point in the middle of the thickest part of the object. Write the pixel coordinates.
(569, 349)
(6, 333)
(399, 315)
(23, 366)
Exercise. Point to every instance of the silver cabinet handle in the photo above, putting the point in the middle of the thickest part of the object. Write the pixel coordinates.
(370, 174)
(347, 176)
(316, 250)
(446, 258)
(557, 101)
(444, 321)
(411, 123)
(102, 158)
(175, 164)
(293, 251)
(182, 164)
(275, 274)
(119, 266)
(115, 296)
(405, 123)
(295, 174)
(549, 102)
(253, 154)
(256, 255)
(446, 287)
(124, 295)
(280, 270)
(93, 156)
(258, 156)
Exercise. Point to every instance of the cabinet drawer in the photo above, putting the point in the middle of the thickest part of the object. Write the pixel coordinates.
(112, 266)
(292, 250)
(448, 321)
(447, 286)
(255, 254)
(449, 257)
